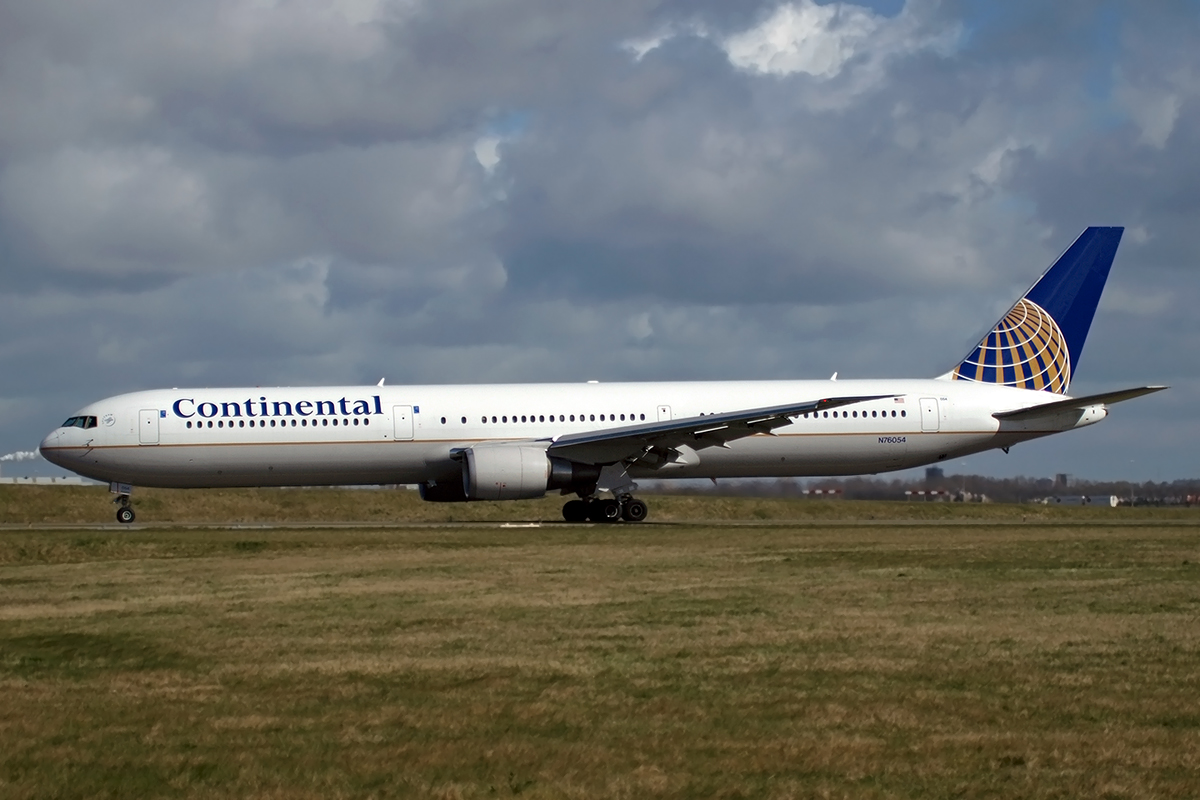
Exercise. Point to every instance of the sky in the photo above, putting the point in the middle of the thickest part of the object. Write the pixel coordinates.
(317, 192)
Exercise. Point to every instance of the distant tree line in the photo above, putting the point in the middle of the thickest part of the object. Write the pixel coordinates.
(970, 488)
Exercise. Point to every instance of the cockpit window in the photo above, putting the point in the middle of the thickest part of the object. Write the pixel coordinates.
(91, 422)
(80, 422)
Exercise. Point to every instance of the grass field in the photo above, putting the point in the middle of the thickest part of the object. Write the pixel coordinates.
(856, 651)
(92, 505)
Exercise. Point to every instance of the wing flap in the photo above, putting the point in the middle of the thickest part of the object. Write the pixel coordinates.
(657, 443)
(1076, 403)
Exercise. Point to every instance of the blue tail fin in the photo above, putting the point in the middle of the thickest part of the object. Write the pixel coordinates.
(1037, 343)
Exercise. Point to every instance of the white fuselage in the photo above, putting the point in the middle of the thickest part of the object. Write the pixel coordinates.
(408, 434)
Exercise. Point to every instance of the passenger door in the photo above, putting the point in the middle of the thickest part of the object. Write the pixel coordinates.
(929, 415)
(148, 426)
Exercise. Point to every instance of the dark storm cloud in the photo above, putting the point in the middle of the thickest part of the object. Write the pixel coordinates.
(301, 192)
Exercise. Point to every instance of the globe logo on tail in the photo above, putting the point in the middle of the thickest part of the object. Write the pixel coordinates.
(1026, 349)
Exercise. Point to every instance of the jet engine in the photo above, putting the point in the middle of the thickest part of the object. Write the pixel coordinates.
(521, 471)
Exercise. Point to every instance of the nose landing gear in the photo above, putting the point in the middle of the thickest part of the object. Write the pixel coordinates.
(125, 513)
(596, 509)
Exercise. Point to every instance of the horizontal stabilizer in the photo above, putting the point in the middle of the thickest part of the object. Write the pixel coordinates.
(1058, 406)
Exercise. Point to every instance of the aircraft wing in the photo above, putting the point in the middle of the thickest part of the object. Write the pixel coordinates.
(1076, 403)
(656, 444)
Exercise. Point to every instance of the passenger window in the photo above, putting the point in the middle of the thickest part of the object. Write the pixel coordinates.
(324, 423)
(443, 421)
(356, 420)
(189, 423)
(366, 421)
(464, 421)
(593, 417)
(826, 414)
(904, 413)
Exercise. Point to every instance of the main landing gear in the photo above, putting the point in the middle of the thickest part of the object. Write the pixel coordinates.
(596, 509)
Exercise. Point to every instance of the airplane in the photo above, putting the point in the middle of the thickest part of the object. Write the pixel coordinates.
(594, 440)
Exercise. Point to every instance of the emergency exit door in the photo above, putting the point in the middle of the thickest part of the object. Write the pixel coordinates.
(402, 422)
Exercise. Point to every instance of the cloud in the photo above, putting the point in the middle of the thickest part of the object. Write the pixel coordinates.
(302, 192)
(817, 40)
(110, 211)
(21, 455)
(822, 42)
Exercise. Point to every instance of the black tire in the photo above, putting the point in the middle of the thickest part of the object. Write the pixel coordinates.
(634, 511)
(604, 511)
(125, 515)
(575, 511)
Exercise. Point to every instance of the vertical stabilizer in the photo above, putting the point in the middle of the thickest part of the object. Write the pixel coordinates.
(1038, 342)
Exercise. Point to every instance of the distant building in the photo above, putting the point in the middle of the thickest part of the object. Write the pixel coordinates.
(73, 480)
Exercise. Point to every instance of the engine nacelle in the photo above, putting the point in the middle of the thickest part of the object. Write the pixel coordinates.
(521, 472)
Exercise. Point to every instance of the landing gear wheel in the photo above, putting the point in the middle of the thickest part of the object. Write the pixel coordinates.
(125, 515)
(634, 510)
(575, 511)
(604, 511)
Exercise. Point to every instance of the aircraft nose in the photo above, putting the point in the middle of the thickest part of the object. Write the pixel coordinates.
(46, 448)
